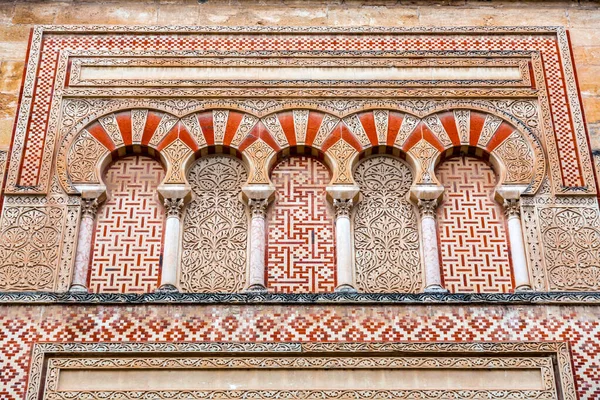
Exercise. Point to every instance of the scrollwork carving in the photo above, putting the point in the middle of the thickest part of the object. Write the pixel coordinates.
(385, 228)
(215, 228)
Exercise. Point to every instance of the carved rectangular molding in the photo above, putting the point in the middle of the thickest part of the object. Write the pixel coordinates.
(293, 370)
(399, 70)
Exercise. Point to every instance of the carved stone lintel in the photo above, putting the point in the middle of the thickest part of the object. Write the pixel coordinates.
(427, 208)
(89, 207)
(512, 208)
(258, 207)
(342, 207)
(173, 207)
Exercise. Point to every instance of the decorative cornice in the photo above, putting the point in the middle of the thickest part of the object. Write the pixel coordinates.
(258, 207)
(342, 207)
(89, 207)
(512, 208)
(173, 207)
(533, 298)
(427, 208)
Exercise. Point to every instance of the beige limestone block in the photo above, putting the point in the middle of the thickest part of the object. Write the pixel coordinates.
(10, 76)
(591, 106)
(586, 55)
(490, 16)
(373, 16)
(109, 14)
(37, 12)
(8, 104)
(170, 14)
(6, 125)
(584, 36)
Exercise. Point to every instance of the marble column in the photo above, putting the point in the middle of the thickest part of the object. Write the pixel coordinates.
(431, 256)
(343, 244)
(256, 283)
(168, 277)
(512, 210)
(89, 208)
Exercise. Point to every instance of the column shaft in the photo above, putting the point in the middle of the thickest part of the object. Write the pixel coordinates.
(257, 246)
(84, 245)
(431, 256)
(343, 243)
(170, 264)
(517, 245)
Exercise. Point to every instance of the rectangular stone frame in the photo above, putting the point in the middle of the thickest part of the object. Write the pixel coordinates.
(43, 368)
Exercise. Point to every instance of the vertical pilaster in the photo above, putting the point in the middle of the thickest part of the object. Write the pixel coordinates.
(170, 264)
(431, 256)
(89, 209)
(512, 209)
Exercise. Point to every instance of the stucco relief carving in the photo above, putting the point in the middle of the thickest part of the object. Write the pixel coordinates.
(386, 237)
(571, 239)
(342, 153)
(30, 243)
(176, 153)
(215, 228)
(83, 158)
(517, 158)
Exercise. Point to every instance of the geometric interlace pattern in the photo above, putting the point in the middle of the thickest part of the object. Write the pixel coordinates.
(128, 235)
(301, 253)
(473, 241)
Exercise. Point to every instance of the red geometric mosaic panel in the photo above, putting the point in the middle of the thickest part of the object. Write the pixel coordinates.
(24, 325)
(300, 252)
(471, 227)
(129, 226)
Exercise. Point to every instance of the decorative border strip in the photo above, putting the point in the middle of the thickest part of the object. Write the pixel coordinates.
(587, 298)
(41, 352)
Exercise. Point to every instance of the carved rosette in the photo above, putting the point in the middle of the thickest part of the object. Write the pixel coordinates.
(173, 207)
(342, 208)
(427, 208)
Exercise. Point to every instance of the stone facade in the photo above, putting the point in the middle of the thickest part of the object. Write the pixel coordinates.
(197, 197)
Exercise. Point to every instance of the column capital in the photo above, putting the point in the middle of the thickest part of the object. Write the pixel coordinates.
(258, 207)
(173, 207)
(427, 208)
(89, 207)
(342, 207)
(512, 208)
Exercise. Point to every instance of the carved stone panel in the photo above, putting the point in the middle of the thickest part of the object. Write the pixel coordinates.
(571, 239)
(215, 227)
(385, 228)
(30, 240)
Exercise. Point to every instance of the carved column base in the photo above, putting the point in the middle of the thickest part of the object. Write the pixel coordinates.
(167, 288)
(76, 288)
(256, 289)
(345, 289)
(435, 289)
(523, 288)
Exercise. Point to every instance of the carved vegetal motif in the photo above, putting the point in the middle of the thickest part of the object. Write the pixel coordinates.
(571, 241)
(463, 124)
(215, 228)
(381, 118)
(259, 152)
(110, 125)
(138, 122)
(300, 125)
(353, 123)
(83, 158)
(164, 126)
(385, 228)
(193, 126)
(30, 241)
(490, 125)
(342, 152)
(518, 159)
(176, 152)
(433, 122)
(273, 125)
(424, 152)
